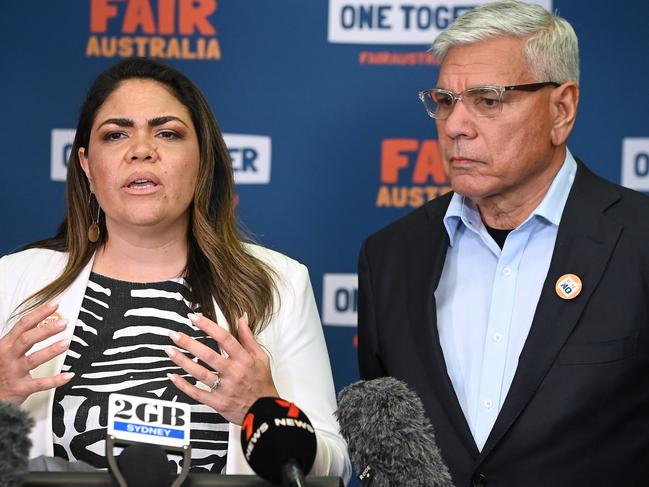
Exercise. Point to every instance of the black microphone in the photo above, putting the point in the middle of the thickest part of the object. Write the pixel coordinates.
(15, 444)
(145, 465)
(278, 441)
(390, 439)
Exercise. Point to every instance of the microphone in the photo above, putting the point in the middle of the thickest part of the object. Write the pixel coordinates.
(150, 426)
(390, 439)
(145, 466)
(15, 444)
(278, 441)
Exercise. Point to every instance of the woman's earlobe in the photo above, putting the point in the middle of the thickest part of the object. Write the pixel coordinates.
(83, 162)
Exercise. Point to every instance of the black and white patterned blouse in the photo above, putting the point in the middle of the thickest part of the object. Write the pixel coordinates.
(118, 346)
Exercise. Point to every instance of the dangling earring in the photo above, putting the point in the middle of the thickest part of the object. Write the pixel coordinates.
(93, 229)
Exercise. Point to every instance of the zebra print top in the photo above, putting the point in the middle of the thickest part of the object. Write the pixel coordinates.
(118, 346)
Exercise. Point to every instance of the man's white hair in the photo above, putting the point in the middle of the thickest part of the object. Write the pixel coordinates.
(551, 51)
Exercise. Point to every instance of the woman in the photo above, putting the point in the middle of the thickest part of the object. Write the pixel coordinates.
(147, 280)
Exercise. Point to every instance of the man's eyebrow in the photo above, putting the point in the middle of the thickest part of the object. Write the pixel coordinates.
(154, 122)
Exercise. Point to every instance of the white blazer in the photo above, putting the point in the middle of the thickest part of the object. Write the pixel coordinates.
(294, 340)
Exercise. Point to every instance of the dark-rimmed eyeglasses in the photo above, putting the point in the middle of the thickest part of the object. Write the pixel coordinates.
(481, 101)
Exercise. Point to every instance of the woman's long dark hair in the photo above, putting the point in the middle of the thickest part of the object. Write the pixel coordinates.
(218, 265)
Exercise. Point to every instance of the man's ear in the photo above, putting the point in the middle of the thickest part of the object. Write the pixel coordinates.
(83, 160)
(563, 105)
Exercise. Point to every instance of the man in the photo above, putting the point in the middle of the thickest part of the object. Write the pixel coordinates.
(517, 306)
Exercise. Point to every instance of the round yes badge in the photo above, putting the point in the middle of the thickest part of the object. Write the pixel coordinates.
(568, 286)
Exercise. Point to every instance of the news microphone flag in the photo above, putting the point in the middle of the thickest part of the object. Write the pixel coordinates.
(278, 441)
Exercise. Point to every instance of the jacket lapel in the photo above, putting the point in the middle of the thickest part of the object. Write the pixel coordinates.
(40, 404)
(584, 244)
(427, 246)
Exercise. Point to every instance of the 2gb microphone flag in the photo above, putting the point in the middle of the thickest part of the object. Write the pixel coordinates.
(146, 420)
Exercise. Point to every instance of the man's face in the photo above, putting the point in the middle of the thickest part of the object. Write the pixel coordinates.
(493, 157)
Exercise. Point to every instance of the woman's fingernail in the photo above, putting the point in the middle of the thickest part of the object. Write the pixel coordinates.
(63, 344)
(171, 377)
(170, 351)
(193, 317)
(61, 323)
(54, 303)
(68, 375)
(174, 336)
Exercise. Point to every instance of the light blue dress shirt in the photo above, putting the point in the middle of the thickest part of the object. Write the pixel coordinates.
(487, 297)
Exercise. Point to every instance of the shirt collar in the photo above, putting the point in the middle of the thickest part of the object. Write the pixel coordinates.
(462, 210)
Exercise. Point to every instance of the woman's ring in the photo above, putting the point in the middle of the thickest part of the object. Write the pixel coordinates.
(217, 381)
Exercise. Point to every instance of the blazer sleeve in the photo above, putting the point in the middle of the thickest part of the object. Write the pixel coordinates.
(369, 361)
(4, 306)
(302, 371)
(294, 341)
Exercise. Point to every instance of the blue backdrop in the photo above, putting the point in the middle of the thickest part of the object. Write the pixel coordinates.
(318, 101)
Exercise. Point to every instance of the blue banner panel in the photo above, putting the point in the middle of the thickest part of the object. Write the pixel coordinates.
(318, 103)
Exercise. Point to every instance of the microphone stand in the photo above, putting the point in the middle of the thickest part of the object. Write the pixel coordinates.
(292, 475)
(111, 441)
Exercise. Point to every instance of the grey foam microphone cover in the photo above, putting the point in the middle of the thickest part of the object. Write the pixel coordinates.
(15, 444)
(386, 429)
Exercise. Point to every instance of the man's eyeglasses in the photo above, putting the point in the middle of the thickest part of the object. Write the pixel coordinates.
(481, 101)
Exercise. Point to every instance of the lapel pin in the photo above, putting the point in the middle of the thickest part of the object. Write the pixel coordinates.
(568, 286)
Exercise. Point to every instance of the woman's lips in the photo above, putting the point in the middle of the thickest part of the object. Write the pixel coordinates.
(141, 187)
(142, 183)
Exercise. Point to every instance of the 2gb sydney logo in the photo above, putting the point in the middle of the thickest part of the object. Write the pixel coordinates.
(148, 420)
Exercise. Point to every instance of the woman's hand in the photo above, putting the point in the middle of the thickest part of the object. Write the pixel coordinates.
(237, 381)
(16, 382)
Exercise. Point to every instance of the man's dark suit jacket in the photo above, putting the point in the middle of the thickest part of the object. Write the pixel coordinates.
(577, 412)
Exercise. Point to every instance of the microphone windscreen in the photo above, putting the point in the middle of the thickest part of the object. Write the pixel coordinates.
(145, 466)
(386, 429)
(275, 432)
(15, 444)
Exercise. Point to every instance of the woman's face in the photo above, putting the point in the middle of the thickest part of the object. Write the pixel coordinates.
(142, 158)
